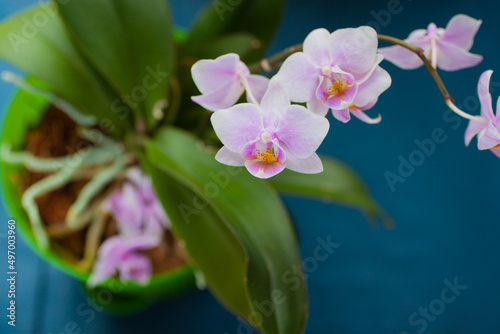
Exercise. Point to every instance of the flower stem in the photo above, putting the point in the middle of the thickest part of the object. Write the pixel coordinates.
(420, 53)
(459, 112)
(273, 62)
(432, 71)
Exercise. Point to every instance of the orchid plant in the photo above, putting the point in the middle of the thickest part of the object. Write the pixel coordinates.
(163, 156)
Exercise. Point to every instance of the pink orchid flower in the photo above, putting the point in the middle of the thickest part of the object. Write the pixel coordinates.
(337, 71)
(141, 223)
(271, 137)
(446, 48)
(488, 134)
(136, 207)
(118, 255)
(222, 81)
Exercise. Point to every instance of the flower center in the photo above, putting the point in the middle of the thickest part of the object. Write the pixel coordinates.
(336, 88)
(267, 157)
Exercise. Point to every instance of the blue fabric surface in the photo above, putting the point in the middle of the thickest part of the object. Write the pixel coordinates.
(446, 211)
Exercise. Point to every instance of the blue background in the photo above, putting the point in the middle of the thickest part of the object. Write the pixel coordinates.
(446, 211)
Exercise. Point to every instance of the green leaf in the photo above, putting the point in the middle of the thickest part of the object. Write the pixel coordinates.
(45, 51)
(130, 42)
(228, 218)
(337, 184)
(224, 264)
(241, 43)
(259, 18)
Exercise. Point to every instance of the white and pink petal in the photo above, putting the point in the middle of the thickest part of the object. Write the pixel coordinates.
(238, 125)
(209, 75)
(263, 170)
(405, 58)
(474, 128)
(371, 89)
(302, 131)
(223, 97)
(230, 158)
(257, 84)
(316, 47)
(299, 76)
(137, 268)
(452, 58)
(309, 165)
(483, 91)
(461, 31)
(354, 50)
(342, 115)
(318, 107)
(488, 137)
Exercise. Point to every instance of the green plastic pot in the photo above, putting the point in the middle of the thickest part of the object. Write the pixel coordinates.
(26, 111)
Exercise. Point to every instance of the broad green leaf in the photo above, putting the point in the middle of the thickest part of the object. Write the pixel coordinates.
(36, 42)
(130, 42)
(187, 178)
(241, 43)
(259, 18)
(337, 184)
(212, 245)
